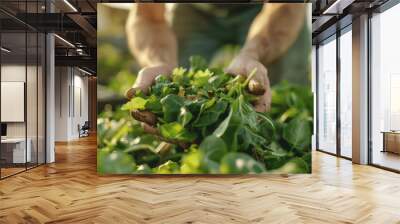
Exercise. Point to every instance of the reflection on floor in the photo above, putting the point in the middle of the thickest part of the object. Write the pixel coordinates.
(9, 170)
(386, 159)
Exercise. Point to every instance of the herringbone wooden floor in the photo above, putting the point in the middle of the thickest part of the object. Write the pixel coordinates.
(70, 191)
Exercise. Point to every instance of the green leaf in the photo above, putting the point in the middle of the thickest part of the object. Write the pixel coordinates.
(218, 81)
(240, 163)
(171, 105)
(224, 125)
(200, 78)
(143, 169)
(185, 116)
(153, 104)
(179, 76)
(168, 167)
(213, 148)
(298, 133)
(191, 162)
(176, 131)
(136, 103)
(290, 113)
(231, 134)
(275, 156)
(295, 165)
(211, 115)
(163, 86)
(115, 162)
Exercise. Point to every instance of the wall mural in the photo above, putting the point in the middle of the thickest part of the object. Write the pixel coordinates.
(204, 88)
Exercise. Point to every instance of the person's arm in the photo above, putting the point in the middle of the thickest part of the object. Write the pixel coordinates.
(152, 42)
(271, 34)
(274, 30)
(150, 37)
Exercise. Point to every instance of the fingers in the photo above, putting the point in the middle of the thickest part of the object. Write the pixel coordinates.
(258, 83)
(147, 75)
(144, 116)
(130, 93)
(146, 78)
(256, 87)
(243, 65)
(236, 68)
(149, 129)
(263, 103)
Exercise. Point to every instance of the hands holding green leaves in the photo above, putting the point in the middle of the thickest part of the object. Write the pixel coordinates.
(209, 117)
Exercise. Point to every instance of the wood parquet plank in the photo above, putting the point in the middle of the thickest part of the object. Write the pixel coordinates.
(70, 191)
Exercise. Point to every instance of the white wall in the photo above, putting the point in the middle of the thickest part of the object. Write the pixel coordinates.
(71, 94)
(61, 103)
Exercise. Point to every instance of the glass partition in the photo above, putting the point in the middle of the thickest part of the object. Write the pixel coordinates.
(385, 89)
(327, 95)
(13, 95)
(22, 77)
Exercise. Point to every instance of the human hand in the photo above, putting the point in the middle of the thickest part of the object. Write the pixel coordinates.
(146, 77)
(244, 64)
(144, 80)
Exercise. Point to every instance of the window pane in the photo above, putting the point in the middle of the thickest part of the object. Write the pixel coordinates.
(327, 96)
(345, 94)
(385, 88)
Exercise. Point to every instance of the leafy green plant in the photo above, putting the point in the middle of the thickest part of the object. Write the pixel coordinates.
(209, 116)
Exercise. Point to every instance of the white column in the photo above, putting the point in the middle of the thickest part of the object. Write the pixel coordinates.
(50, 94)
(360, 90)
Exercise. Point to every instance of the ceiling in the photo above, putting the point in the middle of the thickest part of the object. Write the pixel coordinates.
(76, 22)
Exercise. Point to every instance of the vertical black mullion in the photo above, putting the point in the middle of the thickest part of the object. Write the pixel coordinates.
(45, 94)
(369, 90)
(37, 88)
(338, 74)
(26, 86)
(0, 93)
(45, 88)
(317, 95)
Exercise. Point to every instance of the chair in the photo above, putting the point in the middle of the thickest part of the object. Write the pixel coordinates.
(84, 130)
